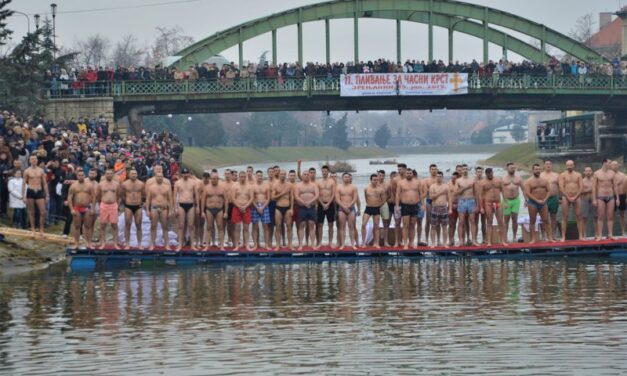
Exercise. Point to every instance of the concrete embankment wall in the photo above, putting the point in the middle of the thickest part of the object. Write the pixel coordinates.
(66, 109)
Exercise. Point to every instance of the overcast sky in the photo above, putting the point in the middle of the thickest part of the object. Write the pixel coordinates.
(201, 18)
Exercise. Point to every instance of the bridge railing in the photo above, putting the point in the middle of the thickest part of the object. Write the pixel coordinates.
(317, 85)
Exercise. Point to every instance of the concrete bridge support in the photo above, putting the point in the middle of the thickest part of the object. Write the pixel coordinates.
(135, 118)
(59, 110)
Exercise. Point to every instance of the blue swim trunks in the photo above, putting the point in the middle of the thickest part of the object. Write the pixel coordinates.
(264, 218)
(421, 212)
(466, 206)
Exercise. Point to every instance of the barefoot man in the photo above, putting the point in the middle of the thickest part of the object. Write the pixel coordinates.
(491, 191)
(428, 182)
(537, 192)
(160, 203)
(282, 193)
(467, 206)
(603, 189)
(242, 196)
(185, 198)
(408, 196)
(441, 207)
(400, 176)
(453, 213)
(132, 196)
(620, 182)
(306, 195)
(571, 186)
(214, 203)
(385, 208)
(553, 202)
(375, 198)
(346, 197)
(326, 206)
(81, 200)
(108, 195)
(512, 184)
(261, 210)
(35, 192)
(588, 210)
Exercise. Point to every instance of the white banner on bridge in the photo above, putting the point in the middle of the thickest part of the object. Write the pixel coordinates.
(403, 84)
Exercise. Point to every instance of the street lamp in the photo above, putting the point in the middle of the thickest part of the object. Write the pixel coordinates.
(27, 18)
(37, 17)
(53, 8)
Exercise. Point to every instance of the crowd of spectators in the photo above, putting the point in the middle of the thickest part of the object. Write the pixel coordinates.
(66, 145)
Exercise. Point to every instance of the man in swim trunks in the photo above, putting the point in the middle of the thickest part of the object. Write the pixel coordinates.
(108, 195)
(491, 191)
(537, 192)
(512, 184)
(35, 193)
(261, 211)
(441, 207)
(326, 206)
(282, 193)
(480, 217)
(214, 203)
(588, 210)
(305, 198)
(271, 208)
(81, 199)
(466, 206)
(553, 202)
(229, 181)
(571, 186)
(433, 175)
(242, 196)
(603, 189)
(346, 198)
(400, 176)
(375, 198)
(453, 213)
(385, 208)
(160, 203)
(185, 198)
(132, 192)
(620, 181)
(409, 192)
(420, 215)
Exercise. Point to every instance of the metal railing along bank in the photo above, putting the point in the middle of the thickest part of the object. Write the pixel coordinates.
(308, 86)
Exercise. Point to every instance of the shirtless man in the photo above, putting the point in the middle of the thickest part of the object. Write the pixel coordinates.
(109, 196)
(81, 200)
(346, 196)
(453, 213)
(282, 193)
(553, 202)
(441, 208)
(400, 176)
(491, 191)
(261, 210)
(603, 189)
(185, 198)
(427, 183)
(132, 193)
(384, 210)
(157, 169)
(479, 216)
(229, 181)
(408, 195)
(242, 197)
(326, 206)
(588, 210)
(537, 193)
(466, 206)
(202, 232)
(620, 182)
(291, 180)
(306, 195)
(375, 198)
(250, 175)
(35, 192)
(571, 186)
(271, 207)
(214, 202)
(420, 216)
(512, 184)
(160, 202)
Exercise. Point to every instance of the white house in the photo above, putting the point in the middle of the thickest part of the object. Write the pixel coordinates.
(503, 135)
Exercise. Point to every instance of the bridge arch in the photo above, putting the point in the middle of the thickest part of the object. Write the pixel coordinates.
(456, 16)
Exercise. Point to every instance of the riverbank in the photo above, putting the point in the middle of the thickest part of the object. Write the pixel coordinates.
(450, 149)
(21, 255)
(201, 159)
(523, 155)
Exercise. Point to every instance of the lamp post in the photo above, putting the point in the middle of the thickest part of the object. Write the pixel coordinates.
(25, 15)
(37, 17)
(53, 8)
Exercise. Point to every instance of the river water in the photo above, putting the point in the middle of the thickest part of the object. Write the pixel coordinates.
(540, 317)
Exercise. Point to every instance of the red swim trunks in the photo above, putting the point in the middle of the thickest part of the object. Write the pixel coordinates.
(238, 217)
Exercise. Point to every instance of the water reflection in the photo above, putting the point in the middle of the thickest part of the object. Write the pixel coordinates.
(319, 317)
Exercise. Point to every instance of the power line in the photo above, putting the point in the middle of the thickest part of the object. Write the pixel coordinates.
(150, 5)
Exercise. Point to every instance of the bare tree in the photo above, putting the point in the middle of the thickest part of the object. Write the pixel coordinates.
(93, 50)
(169, 42)
(584, 29)
(127, 52)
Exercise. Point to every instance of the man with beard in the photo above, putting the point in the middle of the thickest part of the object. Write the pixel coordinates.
(326, 206)
(512, 184)
(81, 200)
(132, 193)
(466, 206)
(571, 186)
(491, 190)
(537, 192)
(553, 201)
(408, 196)
(214, 203)
(108, 195)
(375, 197)
(305, 196)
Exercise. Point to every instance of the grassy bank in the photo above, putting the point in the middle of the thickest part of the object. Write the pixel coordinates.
(450, 149)
(200, 159)
(523, 155)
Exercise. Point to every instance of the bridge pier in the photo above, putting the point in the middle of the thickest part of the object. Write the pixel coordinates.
(135, 118)
(59, 110)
